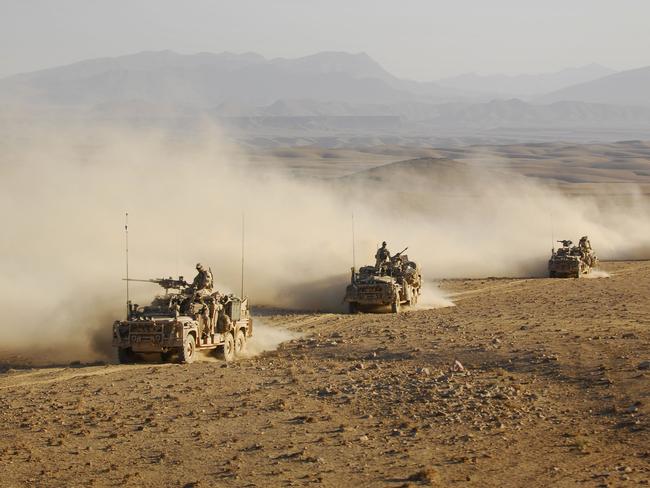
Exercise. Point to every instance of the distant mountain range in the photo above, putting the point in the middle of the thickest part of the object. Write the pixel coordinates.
(206, 80)
(209, 81)
(325, 92)
(630, 87)
(525, 85)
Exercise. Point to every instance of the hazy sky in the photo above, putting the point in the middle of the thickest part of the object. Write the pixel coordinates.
(419, 39)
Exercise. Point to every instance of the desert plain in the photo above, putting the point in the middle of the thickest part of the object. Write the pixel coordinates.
(507, 381)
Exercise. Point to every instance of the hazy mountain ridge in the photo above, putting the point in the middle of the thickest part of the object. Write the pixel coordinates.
(631, 87)
(208, 80)
(525, 85)
(329, 94)
(205, 80)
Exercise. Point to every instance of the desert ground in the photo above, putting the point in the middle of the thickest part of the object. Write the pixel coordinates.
(553, 390)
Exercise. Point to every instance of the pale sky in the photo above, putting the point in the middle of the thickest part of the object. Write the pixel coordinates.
(417, 39)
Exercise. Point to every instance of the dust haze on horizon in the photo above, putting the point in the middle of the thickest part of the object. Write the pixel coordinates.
(64, 192)
(424, 40)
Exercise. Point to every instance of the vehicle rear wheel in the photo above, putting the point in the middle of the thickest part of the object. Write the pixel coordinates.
(188, 352)
(166, 356)
(227, 352)
(240, 342)
(552, 274)
(395, 306)
(125, 355)
(353, 308)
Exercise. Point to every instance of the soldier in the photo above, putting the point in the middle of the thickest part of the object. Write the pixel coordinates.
(586, 251)
(382, 256)
(202, 283)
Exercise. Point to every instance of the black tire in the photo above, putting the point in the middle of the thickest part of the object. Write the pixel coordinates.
(240, 343)
(187, 354)
(165, 357)
(552, 274)
(353, 308)
(227, 351)
(125, 355)
(395, 306)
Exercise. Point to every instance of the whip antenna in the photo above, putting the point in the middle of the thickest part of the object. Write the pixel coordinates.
(354, 256)
(126, 235)
(243, 235)
(552, 232)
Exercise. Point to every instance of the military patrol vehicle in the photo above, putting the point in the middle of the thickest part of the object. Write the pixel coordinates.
(182, 321)
(393, 282)
(571, 261)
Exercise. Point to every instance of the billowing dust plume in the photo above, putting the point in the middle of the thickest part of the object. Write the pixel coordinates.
(64, 192)
(433, 297)
(597, 273)
(267, 337)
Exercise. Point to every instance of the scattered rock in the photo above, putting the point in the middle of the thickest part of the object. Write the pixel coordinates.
(457, 367)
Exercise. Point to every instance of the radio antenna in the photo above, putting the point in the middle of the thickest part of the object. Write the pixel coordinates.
(552, 233)
(243, 236)
(354, 254)
(126, 235)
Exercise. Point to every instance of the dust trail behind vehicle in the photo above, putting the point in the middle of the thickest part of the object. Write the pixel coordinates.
(63, 194)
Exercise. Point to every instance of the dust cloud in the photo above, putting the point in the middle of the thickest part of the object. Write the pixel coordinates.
(597, 273)
(64, 193)
(267, 337)
(433, 297)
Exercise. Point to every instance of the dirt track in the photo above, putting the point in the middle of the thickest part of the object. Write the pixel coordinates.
(554, 392)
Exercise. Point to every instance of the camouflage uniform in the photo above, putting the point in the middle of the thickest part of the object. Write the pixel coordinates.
(382, 256)
(202, 284)
(585, 249)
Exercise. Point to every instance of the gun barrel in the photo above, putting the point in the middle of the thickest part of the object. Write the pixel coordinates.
(142, 281)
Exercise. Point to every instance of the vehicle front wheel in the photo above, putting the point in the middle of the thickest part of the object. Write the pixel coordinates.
(227, 352)
(125, 355)
(188, 352)
(240, 343)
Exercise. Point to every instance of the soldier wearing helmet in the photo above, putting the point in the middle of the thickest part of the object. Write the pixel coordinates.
(585, 250)
(382, 256)
(202, 281)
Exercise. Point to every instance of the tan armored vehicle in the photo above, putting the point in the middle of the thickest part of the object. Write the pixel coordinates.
(395, 282)
(571, 261)
(183, 321)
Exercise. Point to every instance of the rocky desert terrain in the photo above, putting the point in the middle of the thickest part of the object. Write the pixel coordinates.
(524, 382)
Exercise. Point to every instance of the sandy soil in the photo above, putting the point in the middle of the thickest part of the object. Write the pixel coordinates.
(554, 392)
